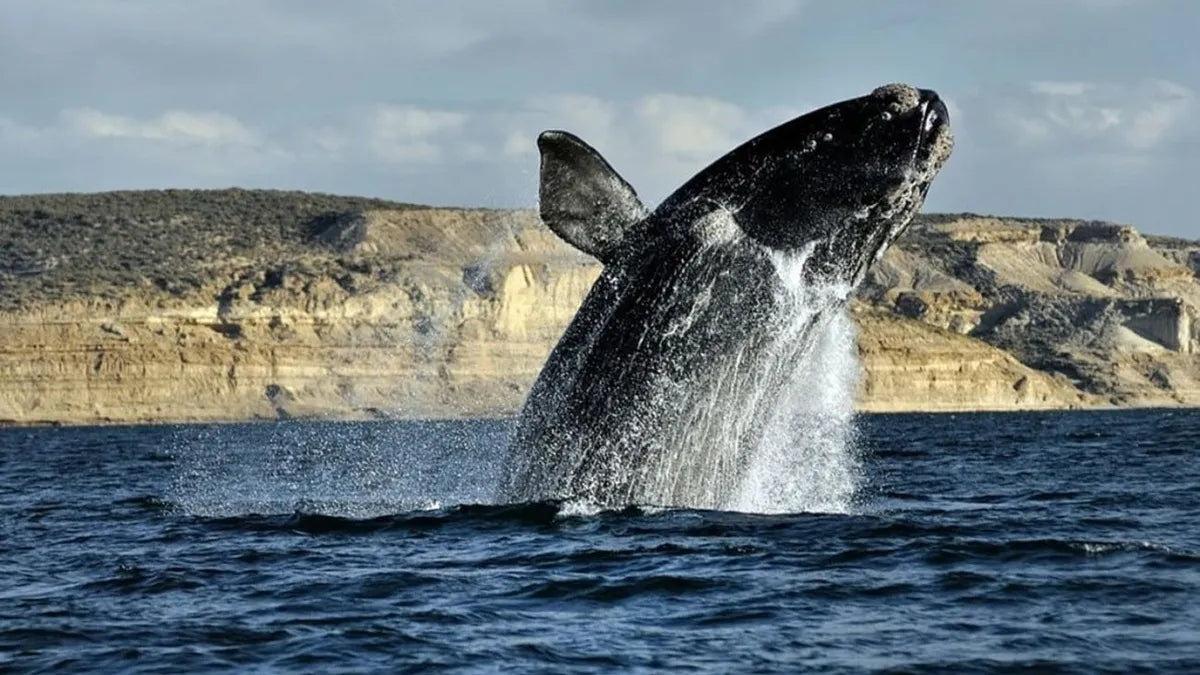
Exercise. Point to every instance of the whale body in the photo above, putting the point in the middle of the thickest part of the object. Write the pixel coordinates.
(659, 390)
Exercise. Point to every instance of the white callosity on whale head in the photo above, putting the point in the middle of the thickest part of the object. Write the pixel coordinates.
(904, 97)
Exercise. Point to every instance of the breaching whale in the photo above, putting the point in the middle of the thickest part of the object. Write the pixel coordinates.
(659, 389)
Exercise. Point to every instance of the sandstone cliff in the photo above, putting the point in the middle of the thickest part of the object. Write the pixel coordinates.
(229, 305)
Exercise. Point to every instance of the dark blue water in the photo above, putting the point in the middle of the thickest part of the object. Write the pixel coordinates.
(982, 543)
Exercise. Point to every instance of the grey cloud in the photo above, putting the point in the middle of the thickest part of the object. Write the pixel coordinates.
(440, 102)
(1100, 117)
(1104, 150)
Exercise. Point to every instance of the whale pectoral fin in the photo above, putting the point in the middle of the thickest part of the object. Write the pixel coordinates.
(583, 200)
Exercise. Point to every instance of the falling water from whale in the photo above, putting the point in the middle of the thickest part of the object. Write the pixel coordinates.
(807, 458)
(796, 403)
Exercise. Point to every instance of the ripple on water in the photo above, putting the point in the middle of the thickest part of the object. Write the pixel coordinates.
(1058, 547)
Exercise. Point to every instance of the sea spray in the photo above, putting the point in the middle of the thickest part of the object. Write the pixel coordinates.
(769, 427)
(350, 470)
(805, 459)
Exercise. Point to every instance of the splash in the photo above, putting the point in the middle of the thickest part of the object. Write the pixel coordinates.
(349, 470)
(770, 429)
(767, 430)
(805, 459)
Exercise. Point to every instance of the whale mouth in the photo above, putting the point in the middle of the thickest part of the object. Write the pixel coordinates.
(935, 114)
(934, 140)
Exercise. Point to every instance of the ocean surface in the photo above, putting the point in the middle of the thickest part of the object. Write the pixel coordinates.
(1049, 542)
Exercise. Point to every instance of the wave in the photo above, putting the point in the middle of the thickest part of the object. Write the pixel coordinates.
(841, 539)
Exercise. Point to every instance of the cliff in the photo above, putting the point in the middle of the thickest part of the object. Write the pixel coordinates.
(230, 305)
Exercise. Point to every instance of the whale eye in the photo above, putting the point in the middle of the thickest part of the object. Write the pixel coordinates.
(886, 116)
(827, 137)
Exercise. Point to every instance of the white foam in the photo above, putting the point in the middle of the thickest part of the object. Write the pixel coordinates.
(807, 459)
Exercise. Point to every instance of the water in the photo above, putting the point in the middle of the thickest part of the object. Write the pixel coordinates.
(1057, 542)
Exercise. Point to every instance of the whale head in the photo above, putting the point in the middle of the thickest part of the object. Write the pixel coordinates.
(842, 182)
(845, 179)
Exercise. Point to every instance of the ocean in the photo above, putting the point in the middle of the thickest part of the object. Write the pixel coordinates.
(1042, 542)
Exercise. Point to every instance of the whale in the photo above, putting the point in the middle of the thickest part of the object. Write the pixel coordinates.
(660, 388)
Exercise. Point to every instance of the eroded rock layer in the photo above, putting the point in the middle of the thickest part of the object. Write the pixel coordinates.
(234, 305)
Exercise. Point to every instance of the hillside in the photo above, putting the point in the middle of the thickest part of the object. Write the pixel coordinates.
(60, 247)
(235, 304)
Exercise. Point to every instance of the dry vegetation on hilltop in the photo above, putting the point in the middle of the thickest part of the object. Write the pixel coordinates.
(61, 246)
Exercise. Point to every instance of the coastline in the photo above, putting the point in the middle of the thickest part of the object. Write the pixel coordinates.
(302, 306)
(10, 425)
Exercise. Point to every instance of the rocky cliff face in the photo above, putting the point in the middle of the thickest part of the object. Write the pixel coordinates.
(1094, 304)
(220, 308)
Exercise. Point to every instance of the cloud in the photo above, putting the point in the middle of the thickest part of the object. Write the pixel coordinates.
(172, 148)
(1162, 115)
(327, 139)
(656, 141)
(408, 133)
(1098, 117)
(589, 117)
(175, 126)
(421, 101)
(1113, 150)
(1060, 88)
(691, 128)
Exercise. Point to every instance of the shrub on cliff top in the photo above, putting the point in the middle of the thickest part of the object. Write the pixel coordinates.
(54, 246)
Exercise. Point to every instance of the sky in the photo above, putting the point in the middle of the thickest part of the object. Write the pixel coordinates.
(1061, 108)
